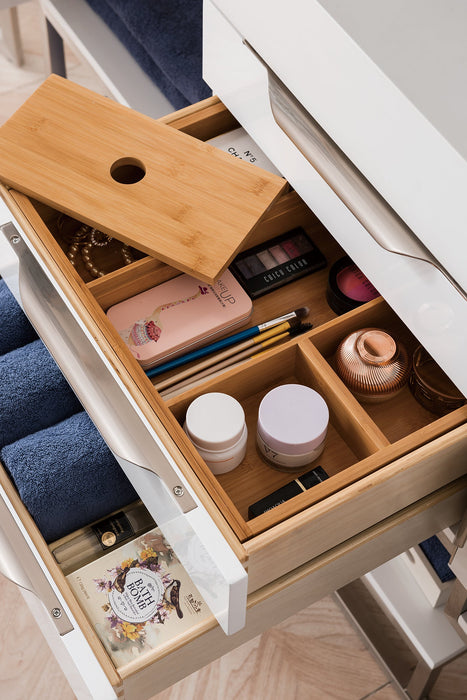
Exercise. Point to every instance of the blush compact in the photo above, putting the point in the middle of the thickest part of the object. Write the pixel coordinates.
(348, 287)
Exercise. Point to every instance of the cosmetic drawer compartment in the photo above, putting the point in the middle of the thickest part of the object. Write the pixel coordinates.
(395, 470)
(384, 461)
(379, 457)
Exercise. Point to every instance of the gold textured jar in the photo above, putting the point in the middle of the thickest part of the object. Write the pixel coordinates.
(372, 364)
(431, 386)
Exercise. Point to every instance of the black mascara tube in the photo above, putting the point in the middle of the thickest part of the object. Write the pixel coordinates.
(285, 493)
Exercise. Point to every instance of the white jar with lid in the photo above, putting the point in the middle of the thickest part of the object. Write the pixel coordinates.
(292, 425)
(215, 424)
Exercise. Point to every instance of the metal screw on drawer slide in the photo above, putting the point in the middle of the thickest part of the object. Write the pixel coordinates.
(56, 612)
(15, 239)
(178, 490)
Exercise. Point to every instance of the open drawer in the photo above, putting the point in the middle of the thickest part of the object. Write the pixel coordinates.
(27, 561)
(396, 471)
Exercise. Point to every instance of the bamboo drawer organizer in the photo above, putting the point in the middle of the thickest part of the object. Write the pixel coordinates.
(361, 439)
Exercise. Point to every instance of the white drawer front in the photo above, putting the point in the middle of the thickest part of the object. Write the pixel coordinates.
(195, 538)
(428, 304)
(384, 81)
(21, 563)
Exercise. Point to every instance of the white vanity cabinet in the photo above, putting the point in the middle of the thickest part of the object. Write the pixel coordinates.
(370, 95)
(397, 472)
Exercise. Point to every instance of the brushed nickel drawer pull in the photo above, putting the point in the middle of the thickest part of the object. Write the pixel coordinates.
(383, 224)
(19, 565)
(200, 546)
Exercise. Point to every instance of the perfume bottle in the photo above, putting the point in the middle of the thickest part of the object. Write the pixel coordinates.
(373, 364)
(91, 542)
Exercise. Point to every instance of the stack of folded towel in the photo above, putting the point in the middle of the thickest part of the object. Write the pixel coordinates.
(165, 38)
(15, 329)
(64, 472)
(66, 476)
(33, 392)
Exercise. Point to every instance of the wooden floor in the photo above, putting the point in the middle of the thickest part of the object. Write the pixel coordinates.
(316, 654)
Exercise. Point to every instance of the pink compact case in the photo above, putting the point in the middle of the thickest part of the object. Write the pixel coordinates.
(178, 316)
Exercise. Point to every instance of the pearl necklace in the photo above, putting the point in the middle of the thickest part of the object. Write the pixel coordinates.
(87, 238)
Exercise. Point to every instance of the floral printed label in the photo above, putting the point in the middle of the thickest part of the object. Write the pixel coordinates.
(139, 597)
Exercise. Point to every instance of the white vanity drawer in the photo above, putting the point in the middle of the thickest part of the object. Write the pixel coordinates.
(397, 473)
(403, 156)
(84, 660)
(383, 82)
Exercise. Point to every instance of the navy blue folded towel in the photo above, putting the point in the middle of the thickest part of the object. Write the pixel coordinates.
(66, 476)
(438, 556)
(15, 329)
(165, 38)
(33, 392)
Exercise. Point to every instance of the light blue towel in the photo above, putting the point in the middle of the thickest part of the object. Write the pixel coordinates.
(33, 392)
(15, 329)
(66, 476)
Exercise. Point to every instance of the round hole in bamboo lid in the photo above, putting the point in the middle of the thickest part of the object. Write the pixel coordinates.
(127, 171)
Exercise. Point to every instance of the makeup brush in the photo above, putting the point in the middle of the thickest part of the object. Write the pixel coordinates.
(180, 385)
(225, 354)
(291, 317)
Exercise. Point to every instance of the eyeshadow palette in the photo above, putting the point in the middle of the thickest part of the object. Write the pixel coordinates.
(279, 261)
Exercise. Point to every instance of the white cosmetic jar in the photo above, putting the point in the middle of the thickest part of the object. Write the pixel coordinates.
(292, 425)
(215, 424)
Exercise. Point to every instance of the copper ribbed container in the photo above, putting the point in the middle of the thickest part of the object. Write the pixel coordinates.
(431, 386)
(372, 364)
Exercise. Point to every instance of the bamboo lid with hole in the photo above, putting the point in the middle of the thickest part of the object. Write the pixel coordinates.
(141, 181)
